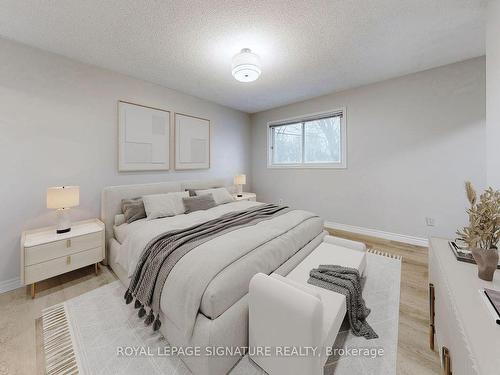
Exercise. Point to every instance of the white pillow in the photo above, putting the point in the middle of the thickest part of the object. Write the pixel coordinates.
(163, 205)
(120, 232)
(221, 195)
(119, 219)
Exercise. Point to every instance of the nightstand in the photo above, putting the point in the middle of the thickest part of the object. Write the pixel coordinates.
(246, 197)
(45, 254)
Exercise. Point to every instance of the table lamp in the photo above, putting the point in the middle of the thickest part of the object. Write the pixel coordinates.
(62, 198)
(239, 181)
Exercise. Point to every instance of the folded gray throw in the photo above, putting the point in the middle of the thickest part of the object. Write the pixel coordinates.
(163, 252)
(346, 281)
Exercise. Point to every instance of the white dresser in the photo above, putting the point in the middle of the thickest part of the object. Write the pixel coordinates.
(44, 253)
(465, 334)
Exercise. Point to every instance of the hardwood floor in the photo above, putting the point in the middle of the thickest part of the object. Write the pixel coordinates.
(414, 355)
(18, 312)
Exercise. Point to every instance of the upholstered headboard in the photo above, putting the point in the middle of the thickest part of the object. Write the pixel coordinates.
(112, 196)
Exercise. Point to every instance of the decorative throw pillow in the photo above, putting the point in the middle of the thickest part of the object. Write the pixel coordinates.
(163, 205)
(133, 209)
(199, 202)
(119, 219)
(221, 195)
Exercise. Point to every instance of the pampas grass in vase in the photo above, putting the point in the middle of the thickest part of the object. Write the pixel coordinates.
(483, 232)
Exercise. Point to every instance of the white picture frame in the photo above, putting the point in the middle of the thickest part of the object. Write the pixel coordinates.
(143, 138)
(192, 142)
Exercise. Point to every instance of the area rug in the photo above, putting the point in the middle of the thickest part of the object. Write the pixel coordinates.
(381, 294)
(83, 334)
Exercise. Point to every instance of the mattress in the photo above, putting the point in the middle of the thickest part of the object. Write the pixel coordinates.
(215, 275)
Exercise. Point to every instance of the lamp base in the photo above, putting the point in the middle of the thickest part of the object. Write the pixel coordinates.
(63, 221)
(239, 192)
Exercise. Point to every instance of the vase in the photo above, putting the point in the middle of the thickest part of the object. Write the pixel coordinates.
(487, 261)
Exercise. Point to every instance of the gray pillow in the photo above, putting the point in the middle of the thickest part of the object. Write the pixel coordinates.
(200, 202)
(133, 209)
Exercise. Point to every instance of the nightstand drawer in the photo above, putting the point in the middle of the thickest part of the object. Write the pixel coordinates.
(251, 197)
(61, 265)
(56, 249)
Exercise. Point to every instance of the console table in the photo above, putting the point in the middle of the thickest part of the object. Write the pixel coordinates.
(462, 329)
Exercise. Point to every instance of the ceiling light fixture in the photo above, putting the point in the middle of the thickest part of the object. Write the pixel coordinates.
(246, 66)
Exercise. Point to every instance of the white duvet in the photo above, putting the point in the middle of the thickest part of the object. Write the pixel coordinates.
(135, 236)
(215, 275)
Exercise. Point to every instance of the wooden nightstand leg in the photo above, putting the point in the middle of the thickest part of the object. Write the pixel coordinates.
(33, 290)
(97, 269)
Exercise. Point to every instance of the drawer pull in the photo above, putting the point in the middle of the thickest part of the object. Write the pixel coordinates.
(432, 329)
(68, 243)
(68, 259)
(445, 355)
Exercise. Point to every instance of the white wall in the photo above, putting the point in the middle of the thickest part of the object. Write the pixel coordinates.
(58, 126)
(412, 141)
(493, 93)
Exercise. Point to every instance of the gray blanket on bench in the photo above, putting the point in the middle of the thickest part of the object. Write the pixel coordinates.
(163, 252)
(346, 281)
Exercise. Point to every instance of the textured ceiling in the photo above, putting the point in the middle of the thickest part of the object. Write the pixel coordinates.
(307, 48)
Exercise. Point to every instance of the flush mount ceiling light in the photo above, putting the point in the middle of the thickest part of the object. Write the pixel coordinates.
(246, 66)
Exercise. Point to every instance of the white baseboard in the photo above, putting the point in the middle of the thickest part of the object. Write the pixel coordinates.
(419, 241)
(8, 285)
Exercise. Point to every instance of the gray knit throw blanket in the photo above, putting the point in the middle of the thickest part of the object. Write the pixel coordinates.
(162, 253)
(346, 281)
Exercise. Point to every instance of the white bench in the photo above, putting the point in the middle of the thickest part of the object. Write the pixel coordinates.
(289, 312)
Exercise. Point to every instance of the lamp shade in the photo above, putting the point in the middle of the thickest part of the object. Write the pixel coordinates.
(63, 196)
(240, 179)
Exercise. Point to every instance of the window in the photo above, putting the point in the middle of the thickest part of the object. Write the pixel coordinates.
(315, 141)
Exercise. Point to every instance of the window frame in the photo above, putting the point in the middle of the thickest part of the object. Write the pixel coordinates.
(301, 119)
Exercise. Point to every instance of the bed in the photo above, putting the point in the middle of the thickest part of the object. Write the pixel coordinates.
(204, 299)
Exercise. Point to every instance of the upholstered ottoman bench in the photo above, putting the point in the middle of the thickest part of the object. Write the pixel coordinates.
(287, 312)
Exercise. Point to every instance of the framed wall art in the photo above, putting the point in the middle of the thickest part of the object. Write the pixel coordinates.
(192, 142)
(143, 138)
